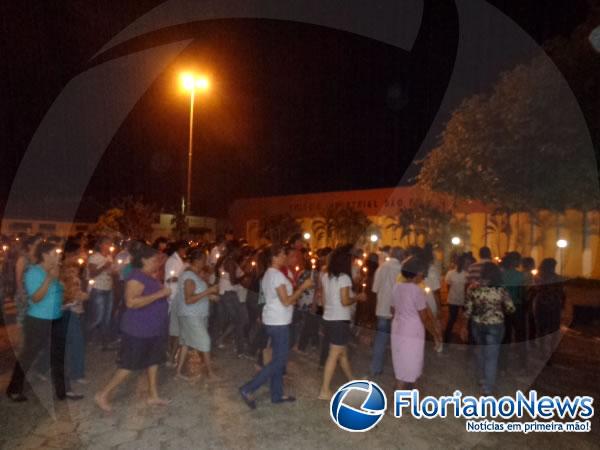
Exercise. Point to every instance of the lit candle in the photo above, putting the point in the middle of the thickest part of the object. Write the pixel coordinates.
(91, 282)
(172, 273)
(253, 263)
(90, 252)
(119, 261)
(111, 248)
(359, 262)
(427, 289)
(534, 272)
(313, 261)
(365, 270)
(5, 247)
(364, 255)
(314, 267)
(80, 261)
(297, 268)
(387, 258)
(218, 255)
(59, 251)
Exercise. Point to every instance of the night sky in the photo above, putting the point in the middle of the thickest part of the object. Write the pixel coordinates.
(295, 108)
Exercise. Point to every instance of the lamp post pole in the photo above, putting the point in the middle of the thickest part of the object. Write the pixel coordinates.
(190, 152)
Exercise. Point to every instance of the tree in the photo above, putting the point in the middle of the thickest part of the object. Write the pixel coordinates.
(502, 147)
(129, 218)
(278, 228)
(181, 228)
(339, 225)
(108, 222)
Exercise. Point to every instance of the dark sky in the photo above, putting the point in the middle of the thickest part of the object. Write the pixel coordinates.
(295, 108)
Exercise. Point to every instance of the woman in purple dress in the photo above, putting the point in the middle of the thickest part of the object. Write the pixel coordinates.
(144, 326)
(411, 316)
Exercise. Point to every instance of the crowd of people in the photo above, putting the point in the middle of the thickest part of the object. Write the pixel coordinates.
(157, 303)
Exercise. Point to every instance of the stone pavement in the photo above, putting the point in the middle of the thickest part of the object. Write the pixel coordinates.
(211, 415)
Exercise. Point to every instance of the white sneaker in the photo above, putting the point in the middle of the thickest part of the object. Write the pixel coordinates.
(82, 381)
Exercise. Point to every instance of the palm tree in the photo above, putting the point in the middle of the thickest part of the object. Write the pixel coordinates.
(499, 224)
(278, 228)
(326, 227)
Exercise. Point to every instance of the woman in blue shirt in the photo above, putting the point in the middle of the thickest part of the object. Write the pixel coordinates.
(44, 318)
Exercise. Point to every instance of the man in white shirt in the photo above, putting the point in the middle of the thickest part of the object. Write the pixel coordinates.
(385, 278)
(174, 267)
(100, 271)
(217, 251)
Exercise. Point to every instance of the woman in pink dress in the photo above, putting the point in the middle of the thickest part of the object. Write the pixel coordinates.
(411, 316)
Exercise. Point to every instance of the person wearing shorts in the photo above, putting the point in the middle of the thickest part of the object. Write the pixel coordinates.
(338, 301)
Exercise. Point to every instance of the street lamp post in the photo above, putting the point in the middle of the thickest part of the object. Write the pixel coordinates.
(192, 83)
(562, 244)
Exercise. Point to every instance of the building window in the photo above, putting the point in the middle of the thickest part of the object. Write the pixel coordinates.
(47, 227)
(20, 226)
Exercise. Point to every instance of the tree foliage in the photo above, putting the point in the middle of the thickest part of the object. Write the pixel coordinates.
(523, 146)
(339, 225)
(129, 217)
(278, 228)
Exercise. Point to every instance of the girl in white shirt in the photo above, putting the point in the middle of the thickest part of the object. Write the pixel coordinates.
(277, 314)
(338, 300)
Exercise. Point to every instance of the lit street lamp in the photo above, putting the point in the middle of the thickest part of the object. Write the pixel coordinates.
(306, 236)
(192, 83)
(374, 238)
(455, 240)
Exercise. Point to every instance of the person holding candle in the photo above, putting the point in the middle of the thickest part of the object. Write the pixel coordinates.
(280, 298)
(338, 300)
(411, 315)
(74, 296)
(192, 299)
(100, 270)
(43, 325)
(144, 327)
(174, 267)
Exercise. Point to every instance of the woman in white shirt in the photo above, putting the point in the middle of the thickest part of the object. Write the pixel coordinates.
(338, 301)
(277, 316)
(456, 280)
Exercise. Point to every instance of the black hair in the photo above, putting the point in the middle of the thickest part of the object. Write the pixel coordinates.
(42, 249)
(511, 260)
(140, 251)
(159, 240)
(101, 240)
(491, 273)
(485, 253)
(270, 252)
(72, 246)
(195, 254)
(547, 268)
(340, 261)
(528, 263)
(413, 266)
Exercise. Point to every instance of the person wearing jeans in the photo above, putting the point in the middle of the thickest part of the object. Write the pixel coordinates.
(380, 343)
(101, 303)
(100, 267)
(486, 304)
(488, 339)
(277, 317)
(384, 280)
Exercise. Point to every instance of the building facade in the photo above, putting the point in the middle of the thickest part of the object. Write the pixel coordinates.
(534, 236)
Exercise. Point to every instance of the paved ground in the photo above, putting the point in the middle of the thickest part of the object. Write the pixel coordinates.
(211, 415)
